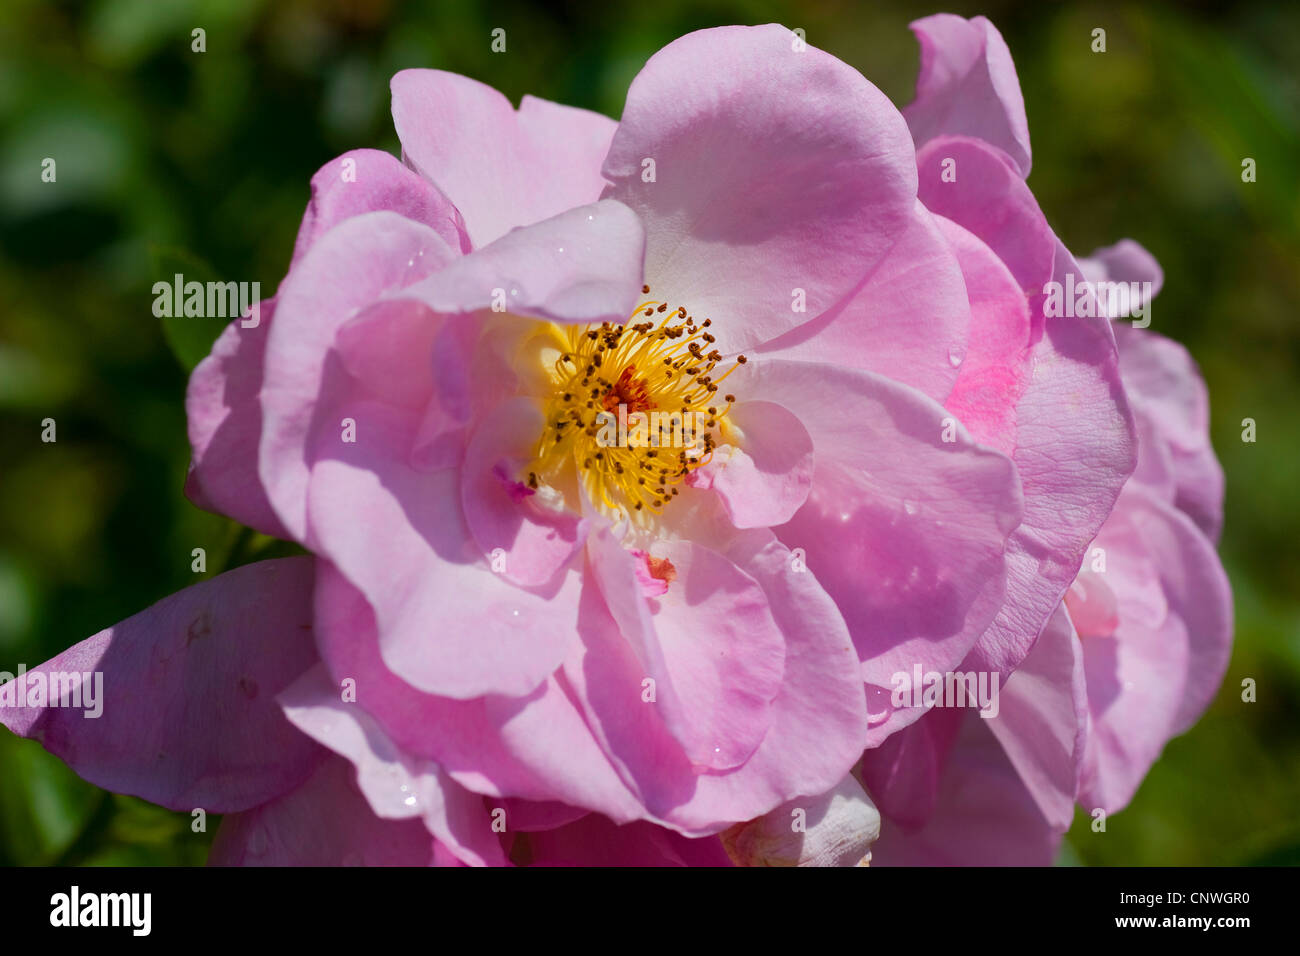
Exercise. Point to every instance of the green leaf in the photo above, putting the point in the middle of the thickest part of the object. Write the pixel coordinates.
(43, 804)
(190, 337)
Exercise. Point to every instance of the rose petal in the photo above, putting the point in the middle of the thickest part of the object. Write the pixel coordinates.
(1042, 718)
(223, 409)
(368, 180)
(765, 480)
(500, 167)
(396, 787)
(349, 268)
(581, 266)
(325, 822)
(909, 318)
(968, 86)
(189, 718)
(777, 170)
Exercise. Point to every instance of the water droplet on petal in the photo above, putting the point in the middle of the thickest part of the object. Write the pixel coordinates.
(878, 706)
(909, 507)
(956, 356)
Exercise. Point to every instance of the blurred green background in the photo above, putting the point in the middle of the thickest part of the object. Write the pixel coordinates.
(164, 152)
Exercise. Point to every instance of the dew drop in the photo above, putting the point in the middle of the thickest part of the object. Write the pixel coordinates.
(956, 356)
(909, 507)
(877, 705)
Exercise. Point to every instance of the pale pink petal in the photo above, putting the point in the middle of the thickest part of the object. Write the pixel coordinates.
(1166, 389)
(325, 822)
(1042, 719)
(583, 265)
(904, 773)
(1156, 673)
(1094, 610)
(537, 748)
(709, 644)
(984, 815)
(396, 786)
(818, 723)
(1125, 261)
(368, 180)
(448, 623)
(526, 541)
(989, 198)
(909, 318)
(223, 411)
(188, 717)
(776, 169)
(968, 86)
(997, 367)
(908, 518)
(764, 479)
(1074, 451)
(349, 268)
(500, 167)
(223, 402)
(388, 349)
(628, 713)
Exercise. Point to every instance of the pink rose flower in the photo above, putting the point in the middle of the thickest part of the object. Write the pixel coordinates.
(517, 639)
(1133, 654)
(1131, 659)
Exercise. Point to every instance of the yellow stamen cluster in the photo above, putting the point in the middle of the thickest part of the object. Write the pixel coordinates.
(659, 360)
